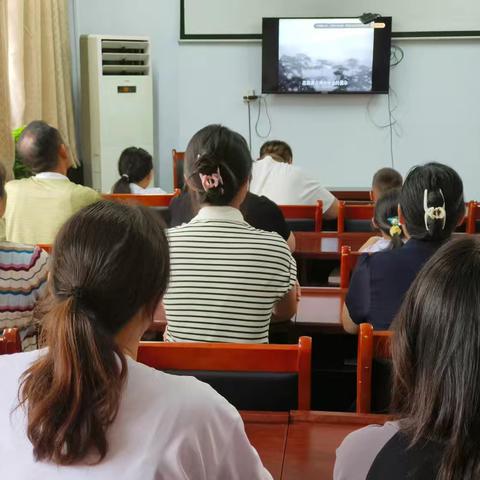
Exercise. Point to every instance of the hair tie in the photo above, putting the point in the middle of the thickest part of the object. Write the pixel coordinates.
(77, 293)
(211, 181)
(126, 177)
(434, 213)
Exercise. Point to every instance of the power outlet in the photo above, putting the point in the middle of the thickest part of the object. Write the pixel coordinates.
(250, 96)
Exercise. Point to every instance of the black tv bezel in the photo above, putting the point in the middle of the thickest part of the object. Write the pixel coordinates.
(381, 55)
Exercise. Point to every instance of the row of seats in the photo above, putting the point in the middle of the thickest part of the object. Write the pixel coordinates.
(253, 377)
(352, 217)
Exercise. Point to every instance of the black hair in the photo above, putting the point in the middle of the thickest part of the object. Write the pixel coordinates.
(386, 179)
(38, 146)
(443, 186)
(436, 358)
(134, 165)
(217, 149)
(386, 216)
(278, 150)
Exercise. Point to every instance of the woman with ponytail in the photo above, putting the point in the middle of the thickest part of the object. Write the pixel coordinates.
(135, 167)
(385, 219)
(431, 205)
(82, 407)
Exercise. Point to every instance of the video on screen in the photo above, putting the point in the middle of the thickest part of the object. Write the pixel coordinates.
(325, 55)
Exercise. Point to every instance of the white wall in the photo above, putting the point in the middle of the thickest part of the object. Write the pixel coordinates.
(200, 83)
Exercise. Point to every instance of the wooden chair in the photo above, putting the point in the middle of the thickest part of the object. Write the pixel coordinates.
(348, 262)
(235, 359)
(371, 345)
(146, 200)
(353, 217)
(47, 247)
(178, 161)
(473, 215)
(300, 217)
(10, 341)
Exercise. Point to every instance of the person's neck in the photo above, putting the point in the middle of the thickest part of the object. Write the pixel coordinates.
(144, 183)
(129, 336)
(62, 170)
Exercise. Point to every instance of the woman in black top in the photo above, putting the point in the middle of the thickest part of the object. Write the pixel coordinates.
(436, 380)
(431, 206)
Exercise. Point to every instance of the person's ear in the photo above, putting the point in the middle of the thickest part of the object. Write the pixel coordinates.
(63, 151)
(372, 197)
(375, 224)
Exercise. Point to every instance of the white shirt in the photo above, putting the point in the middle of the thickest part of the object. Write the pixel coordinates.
(168, 427)
(286, 184)
(138, 190)
(225, 279)
(50, 176)
(379, 246)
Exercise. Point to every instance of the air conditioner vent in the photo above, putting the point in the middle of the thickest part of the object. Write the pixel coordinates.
(125, 57)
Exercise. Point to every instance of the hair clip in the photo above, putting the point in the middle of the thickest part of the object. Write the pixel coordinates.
(211, 181)
(126, 177)
(434, 213)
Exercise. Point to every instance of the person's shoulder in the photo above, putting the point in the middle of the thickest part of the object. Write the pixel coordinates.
(193, 400)
(83, 193)
(260, 201)
(358, 450)
(17, 184)
(13, 365)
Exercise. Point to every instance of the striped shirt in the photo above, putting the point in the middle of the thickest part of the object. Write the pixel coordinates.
(226, 276)
(23, 278)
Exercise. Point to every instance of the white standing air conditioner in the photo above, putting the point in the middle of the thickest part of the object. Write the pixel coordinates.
(117, 104)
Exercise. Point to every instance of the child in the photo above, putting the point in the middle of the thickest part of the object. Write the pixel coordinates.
(135, 167)
(384, 180)
(386, 220)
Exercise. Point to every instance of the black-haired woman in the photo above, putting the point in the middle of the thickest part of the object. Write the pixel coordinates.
(135, 167)
(228, 278)
(87, 408)
(431, 206)
(436, 380)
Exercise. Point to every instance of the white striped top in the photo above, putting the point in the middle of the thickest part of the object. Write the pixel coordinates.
(226, 276)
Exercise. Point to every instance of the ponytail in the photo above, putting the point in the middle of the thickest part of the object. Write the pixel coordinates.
(386, 217)
(74, 390)
(122, 185)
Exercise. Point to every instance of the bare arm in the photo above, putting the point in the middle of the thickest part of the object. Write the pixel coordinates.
(348, 324)
(291, 242)
(286, 307)
(332, 212)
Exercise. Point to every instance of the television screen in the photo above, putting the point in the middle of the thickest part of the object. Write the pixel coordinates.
(326, 55)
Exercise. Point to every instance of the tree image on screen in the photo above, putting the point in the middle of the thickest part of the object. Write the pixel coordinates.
(324, 57)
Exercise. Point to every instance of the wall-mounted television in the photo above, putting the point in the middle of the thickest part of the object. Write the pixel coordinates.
(326, 55)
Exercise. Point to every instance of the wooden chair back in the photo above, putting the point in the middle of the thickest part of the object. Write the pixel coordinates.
(10, 341)
(234, 357)
(178, 162)
(46, 247)
(354, 211)
(348, 262)
(473, 215)
(304, 212)
(371, 345)
(146, 200)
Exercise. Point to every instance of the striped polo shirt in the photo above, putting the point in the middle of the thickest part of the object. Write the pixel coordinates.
(226, 276)
(23, 278)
